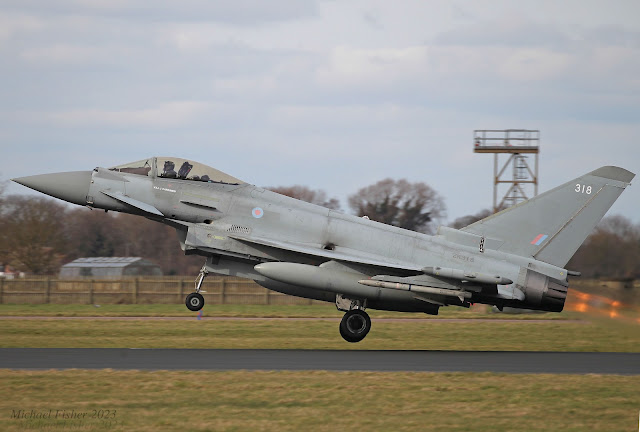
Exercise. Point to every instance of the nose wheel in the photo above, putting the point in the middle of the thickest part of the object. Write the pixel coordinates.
(355, 325)
(195, 300)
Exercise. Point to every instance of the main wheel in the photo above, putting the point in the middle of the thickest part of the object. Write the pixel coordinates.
(195, 302)
(355, 325)
(346, 336)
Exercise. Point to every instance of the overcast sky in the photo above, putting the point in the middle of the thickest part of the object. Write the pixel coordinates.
(334, 95)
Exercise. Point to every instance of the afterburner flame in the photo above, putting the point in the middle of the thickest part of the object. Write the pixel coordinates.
(598, 305)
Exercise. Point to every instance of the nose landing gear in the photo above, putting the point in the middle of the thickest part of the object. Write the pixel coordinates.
(195, 300)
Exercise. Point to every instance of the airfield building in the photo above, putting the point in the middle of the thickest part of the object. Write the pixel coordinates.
(109, 267)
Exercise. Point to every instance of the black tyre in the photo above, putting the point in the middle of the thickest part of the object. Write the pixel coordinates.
(347, 337)
(194, 302)
(355, 325)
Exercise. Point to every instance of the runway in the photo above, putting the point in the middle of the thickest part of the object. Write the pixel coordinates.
(333, 360)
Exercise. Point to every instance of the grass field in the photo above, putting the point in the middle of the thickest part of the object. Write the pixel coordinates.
(319, 401)
(313, 400)
(426, 334)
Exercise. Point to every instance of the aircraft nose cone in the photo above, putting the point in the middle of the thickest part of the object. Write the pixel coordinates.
(70, 186)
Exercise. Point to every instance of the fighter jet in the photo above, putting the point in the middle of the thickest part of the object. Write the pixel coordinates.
(514, 258)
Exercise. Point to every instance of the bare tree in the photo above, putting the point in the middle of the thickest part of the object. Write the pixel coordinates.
(92, 234)
(32, 234)
(4, 258)
(412, 206)
(96, 233)
(3, 189)
(157, 242)
(467, 220)
(612, 250)
(303, 193)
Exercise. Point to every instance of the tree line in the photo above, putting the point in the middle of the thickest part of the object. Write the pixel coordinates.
(39, 234)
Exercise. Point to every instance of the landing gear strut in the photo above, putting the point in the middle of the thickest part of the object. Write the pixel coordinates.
(195, 300)
(355, 324)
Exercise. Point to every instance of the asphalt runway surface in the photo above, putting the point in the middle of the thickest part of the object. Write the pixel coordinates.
(333, 360)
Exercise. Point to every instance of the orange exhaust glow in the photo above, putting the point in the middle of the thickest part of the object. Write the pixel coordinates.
(598, 305)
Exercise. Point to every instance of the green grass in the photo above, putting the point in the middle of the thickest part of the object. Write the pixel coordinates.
(322, 401)
(272, 311)
(321, 334)
(315, 400)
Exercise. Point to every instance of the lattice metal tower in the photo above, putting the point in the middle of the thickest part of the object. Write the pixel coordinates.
(516, 143)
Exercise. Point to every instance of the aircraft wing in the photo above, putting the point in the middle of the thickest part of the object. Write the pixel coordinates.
(339, 254)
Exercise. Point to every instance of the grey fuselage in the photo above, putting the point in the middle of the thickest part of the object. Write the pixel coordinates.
(237, 226)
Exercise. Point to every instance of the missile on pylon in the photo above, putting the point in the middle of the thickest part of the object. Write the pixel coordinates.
(462, 295)
(466, 276)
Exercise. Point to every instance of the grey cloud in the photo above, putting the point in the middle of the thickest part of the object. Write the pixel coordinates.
(371, 19)
(238, 96)
(459, 12)
(610, 35)
(507, 32)
(245, 12)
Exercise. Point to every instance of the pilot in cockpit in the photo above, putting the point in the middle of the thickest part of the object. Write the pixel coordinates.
(169, 170)
(185, 169)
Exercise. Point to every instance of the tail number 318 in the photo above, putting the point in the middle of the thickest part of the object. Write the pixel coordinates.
(580, 188)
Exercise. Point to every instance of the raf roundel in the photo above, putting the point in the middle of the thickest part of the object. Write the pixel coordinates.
(257, 212)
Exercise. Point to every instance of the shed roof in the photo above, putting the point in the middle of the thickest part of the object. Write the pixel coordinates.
(110, 262)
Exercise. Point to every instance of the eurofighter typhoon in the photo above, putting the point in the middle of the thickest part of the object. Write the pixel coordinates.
(514, 258)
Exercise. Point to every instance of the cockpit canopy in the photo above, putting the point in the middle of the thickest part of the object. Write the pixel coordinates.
(176, 168)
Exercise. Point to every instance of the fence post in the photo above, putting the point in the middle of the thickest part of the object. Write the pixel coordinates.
(91, 282)
(47, 293)
(181, 293)
(1, 290)
(136, 287)
(223, 291)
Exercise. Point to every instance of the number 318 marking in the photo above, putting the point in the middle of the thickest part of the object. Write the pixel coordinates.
(583, 189)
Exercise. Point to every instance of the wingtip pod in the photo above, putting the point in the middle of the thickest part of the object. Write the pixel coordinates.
(614, 173)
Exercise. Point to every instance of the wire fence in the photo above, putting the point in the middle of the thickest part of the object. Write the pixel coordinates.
(167, 290)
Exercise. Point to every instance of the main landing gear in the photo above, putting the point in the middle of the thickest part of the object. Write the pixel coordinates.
(355, 324)
(195, 300)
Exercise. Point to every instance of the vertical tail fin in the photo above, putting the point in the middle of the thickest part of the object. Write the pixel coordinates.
(551, 226)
